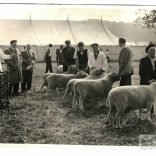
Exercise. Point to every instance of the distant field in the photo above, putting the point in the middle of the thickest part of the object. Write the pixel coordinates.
(38, 119)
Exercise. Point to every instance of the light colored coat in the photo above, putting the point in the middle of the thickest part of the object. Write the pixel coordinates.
(99, 63)
(125, 61)
(2, 57)
(14, 65)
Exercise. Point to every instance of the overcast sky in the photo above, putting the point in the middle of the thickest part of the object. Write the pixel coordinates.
(55, 12)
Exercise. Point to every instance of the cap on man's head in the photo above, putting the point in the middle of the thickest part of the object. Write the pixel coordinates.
(67, 42)
(94, 44)
(122, 40)
(80, 44)
(12, 41)
(50, 45)
(149, 46)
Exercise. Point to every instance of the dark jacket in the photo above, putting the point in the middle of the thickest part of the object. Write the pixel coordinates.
(68, 54)
(83, 59)
(59, 57)
(27, 60)
(146, 71)
(13, 65)
(48, 57)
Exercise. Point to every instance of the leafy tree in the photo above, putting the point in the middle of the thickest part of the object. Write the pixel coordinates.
(147, 18)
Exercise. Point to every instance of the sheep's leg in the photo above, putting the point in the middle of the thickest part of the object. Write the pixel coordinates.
(81, 100)
(73, 105)
(107, 102)
(140, 114)
(74, 102)
(48, 90)
(100, 103)
(77, 102)
(57, 92)
(42, 87)
(66, 93)
(118, 119)
(149, 107)
(110, 118)
(104, 101)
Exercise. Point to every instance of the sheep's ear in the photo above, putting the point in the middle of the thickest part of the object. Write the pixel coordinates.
(114, 73)
(101, 70)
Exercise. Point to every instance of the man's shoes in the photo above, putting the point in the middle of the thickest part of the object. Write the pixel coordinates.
(22, 91)
(16, 94)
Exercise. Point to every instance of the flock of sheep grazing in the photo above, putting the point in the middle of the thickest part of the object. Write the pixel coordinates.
(98, 85)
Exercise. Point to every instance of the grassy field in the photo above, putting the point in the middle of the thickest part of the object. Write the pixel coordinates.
(40, 119)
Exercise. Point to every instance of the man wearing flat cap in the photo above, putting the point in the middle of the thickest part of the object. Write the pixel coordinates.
(147, 67)
(14, 67)
(125, 63)
(97, 58)
(68, 55)
(48, 58)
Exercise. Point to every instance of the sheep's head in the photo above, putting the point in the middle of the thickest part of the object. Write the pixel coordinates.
(46, 75)
(81, 74)
(97, 72)
(114, 76)
(72, 69)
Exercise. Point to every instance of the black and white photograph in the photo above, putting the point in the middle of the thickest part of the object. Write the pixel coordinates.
(78, 74)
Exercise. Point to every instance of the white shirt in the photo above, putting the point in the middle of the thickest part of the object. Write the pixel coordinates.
(2, 57)
(100, 62)
(153, 62)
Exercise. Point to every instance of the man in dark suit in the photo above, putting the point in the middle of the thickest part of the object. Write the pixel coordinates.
(28, 61)
(59, 57)
(147, 67)
(48, 59)
(125, 63)
(14, 67)
(68, 54)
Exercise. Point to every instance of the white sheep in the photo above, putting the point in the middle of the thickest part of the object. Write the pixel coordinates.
(125, 98)
(93, 89)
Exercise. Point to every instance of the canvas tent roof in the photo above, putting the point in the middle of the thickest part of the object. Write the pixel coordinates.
(42, 32)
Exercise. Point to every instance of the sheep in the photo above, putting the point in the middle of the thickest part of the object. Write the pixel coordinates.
(61, 80)
(60, 69)
(126, 98)
(94, 74)
(45, 80)
(93, 89)
(72, 69)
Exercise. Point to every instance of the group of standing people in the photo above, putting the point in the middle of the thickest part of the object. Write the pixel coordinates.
(20, 64)
(20, 67)
(82, 57)
(86, 60)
